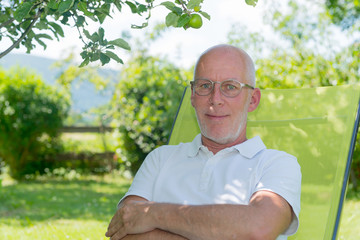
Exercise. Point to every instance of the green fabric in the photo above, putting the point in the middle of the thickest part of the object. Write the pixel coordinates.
(315, 125)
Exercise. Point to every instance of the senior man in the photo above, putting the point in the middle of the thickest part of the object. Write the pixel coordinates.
(221, 185)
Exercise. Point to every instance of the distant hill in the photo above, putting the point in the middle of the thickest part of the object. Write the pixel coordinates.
(84, 95)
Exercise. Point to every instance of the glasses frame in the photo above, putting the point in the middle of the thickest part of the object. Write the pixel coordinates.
(242, 85)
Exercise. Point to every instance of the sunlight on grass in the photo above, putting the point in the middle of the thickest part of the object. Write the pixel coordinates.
(59, 209)
(91, 142)
(60, 229)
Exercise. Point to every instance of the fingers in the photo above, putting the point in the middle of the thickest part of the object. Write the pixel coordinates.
(117, 236)
(130, 218)
(120, 224)
(115, 226)
(113, 223)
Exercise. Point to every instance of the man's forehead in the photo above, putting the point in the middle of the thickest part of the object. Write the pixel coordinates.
(226, 62)
(221, 59)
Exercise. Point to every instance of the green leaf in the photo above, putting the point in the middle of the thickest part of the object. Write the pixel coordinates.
(171, 19)
(193, 3)
(57, 28)
(168, 5)
(80, 21)
(53, 4)
(87, 34)
(183, 20)
(41, 25)
(43, 35)
(102, 41)
(65, 19)
(132, 6)
(100, 15)
(85, 62)
(25, 24)
(114, 56)
(94, 37)
(22, 11)
(205, 15)
(64, 6)
(142, 8)
(41, 43)
(172, 7)
(82, 6)
(251, 2)
(118, 5)
(84, 54)
(94, 56)
(104, 59)
(101, 33)
(120, 43)
(103, 12)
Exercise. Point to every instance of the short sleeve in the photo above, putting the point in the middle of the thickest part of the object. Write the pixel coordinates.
(145, 177)
(280, 173)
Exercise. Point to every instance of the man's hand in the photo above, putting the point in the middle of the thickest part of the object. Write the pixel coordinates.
(131, 218)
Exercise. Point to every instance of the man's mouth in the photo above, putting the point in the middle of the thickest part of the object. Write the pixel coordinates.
(216, 116)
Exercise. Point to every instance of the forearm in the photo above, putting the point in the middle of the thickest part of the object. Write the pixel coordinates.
(266, 216)
(262, 219)
(204, 222)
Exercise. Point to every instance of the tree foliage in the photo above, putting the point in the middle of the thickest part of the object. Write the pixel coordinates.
(33, 21)
(305, 54)
(145, 105)
(31, 114)
(345, 13)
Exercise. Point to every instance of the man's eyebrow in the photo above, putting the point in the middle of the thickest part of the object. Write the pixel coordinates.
(226, 79)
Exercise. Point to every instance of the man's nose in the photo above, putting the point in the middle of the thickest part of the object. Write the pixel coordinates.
(216, 96)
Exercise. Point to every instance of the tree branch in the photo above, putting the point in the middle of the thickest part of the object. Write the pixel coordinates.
(15, 44)
(7, 22)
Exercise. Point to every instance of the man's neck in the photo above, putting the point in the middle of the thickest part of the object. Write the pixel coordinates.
(215, 147)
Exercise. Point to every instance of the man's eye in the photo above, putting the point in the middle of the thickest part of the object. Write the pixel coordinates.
(205, 85)
(229, 87)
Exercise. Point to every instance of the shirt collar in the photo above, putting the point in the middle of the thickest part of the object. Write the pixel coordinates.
(195, 146)
(248, 149)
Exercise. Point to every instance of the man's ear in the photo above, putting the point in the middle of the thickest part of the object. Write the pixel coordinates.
(255, 99)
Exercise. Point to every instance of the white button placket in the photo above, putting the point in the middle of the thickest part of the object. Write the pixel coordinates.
(207, 172)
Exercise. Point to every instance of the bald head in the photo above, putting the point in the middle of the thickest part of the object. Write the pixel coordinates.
(227, 55)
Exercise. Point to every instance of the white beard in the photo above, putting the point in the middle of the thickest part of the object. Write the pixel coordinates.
(231, 136)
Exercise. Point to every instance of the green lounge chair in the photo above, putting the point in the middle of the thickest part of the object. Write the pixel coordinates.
(319, 127)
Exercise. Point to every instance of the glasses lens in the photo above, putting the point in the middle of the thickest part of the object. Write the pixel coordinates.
(203, 87)
(231, 88)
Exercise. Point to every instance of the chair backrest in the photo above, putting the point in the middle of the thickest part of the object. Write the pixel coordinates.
(318, 126)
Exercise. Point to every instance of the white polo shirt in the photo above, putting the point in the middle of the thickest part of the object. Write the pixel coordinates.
(189, 173)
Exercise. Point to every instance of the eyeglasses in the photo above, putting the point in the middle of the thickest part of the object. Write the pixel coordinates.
(229, 88)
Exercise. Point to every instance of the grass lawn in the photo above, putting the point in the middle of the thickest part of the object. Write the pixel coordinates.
(81, 209)
(59, 209)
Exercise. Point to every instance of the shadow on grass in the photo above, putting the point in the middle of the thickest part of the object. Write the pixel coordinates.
(61, 199)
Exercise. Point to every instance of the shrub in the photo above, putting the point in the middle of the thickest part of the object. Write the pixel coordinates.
(145, 104)
(31, 114)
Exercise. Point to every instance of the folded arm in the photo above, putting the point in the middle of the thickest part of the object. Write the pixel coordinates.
(266, 217)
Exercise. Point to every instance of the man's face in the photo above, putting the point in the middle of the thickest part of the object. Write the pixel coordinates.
(222, 119)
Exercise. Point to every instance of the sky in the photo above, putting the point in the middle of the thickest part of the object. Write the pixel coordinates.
(179, 45)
